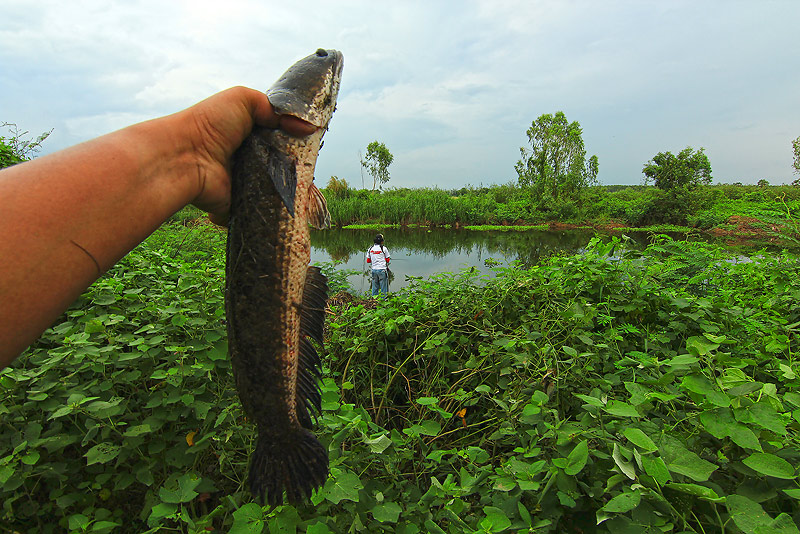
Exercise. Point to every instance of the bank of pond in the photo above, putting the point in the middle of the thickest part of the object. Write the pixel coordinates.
(613, 388)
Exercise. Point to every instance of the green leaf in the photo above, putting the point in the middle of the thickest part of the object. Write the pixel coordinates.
(682, 360)
(427, 401)
(495, 520)
(249, 519)
(655, 467)
(577, 458)
(764, 415)
(701, 492)
(621, 409)
(744, 437)
(640, 439)
(318, 528)
(344, 486)
(182, 490)
(378, 444)
(747, 514)
(623, 502)
(593, 401)
(770, 465)
(387, 512)
(624, 465)
(102, 453)
(700, 345)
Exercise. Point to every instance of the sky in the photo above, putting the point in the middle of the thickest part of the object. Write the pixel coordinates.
(450, 87)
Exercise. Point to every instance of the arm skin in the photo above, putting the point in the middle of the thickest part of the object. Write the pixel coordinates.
(68, 217)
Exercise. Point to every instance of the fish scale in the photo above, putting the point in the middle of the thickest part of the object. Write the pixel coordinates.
(274, 300)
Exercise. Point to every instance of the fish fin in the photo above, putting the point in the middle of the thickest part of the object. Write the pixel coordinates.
(279, 167)
(318, 214)
(308, 400)
(298, 467)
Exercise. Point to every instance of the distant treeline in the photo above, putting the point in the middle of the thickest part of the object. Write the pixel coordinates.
(635, 206)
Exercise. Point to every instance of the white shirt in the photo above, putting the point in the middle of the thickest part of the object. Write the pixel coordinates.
(378, 257)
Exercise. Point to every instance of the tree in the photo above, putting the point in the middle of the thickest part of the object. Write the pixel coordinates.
(796, 160)
(15, 149)
(377, 163)
(556, 162)
(688, 169)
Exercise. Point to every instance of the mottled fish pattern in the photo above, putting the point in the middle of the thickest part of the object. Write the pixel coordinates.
(274, 300)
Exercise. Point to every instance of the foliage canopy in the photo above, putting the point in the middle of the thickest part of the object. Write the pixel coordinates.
(689, 169)
(377, 163)
(556, 165)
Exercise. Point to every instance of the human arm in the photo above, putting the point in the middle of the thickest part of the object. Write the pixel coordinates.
(68, 217)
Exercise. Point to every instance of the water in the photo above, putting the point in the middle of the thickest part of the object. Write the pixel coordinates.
(422, 252)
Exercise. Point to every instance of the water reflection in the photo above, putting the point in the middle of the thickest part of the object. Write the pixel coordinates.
(421, 252)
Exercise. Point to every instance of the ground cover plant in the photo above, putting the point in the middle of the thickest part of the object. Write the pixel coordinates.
(613, 391)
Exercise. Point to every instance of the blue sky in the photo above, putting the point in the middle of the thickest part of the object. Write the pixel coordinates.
(449, 87)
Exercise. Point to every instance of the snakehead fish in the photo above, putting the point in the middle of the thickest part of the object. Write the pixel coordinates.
(274, 300)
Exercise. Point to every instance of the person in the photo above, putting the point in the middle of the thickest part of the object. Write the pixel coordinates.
(378, 257)
(69, 216)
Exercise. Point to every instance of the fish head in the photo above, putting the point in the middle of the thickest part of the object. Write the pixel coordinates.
(308, 90)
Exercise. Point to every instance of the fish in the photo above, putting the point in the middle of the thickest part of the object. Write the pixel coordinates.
(274, 300)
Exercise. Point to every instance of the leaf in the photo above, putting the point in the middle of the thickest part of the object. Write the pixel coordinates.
(378, 444)
(592, 401)
(625, 466)
(640, 439)
(655, 467)
(344, 486)
(182, 490)
(495, 520)
(248, 519)
(764, 415)
(621, 409)
(744, 437)
(692, 466)
(701, 492)
(623, 502)
(190, 438)
(318, 528)
(681, 360)
(102, 453)
(577, 458)
(427, 401)
(387, 512)
(747, 514)
(770, 465)
(700, 345)
(137, 430)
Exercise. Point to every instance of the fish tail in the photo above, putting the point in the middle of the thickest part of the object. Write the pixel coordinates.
(298, 469)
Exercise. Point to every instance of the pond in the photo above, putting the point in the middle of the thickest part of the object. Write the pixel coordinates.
(423, 252)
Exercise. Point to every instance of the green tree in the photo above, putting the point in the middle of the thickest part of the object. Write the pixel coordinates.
(556, 165)
(14, 149)
(377, 163)
(689, 169)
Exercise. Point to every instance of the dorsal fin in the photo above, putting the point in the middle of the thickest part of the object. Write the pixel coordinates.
(312, 322)
(318, 214)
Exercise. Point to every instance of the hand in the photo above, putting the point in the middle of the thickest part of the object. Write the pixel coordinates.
(222, 123)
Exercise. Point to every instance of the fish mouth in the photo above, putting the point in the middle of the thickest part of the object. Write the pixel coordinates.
(308, 90)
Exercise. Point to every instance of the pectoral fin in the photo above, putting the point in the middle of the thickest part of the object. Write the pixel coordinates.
(279, 167)
(318, 214)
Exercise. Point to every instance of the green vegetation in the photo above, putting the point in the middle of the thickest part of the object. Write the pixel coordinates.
(704, 208)
(555, 166)
(377, 163)
(15, 149)
(614, 391)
